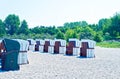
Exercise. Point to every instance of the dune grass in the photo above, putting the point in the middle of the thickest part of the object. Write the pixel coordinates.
(109, 44)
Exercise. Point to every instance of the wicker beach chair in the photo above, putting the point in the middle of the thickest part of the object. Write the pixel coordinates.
(9, 58)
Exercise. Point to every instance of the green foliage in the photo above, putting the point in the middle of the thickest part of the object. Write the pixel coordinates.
(109, 44)
(87, 33)
(114, 29)
(16, 36)
(70, 34)
(75, 34)
(110, 27)
(12, 23)
(106, 29)
(104, 24)
(60, 35)
(107, 36)
(74, 24)
(37, 30)
(42, 29)
(98, 37)
(23, 28)
(62, 29)
(2, 29)
(51, 30)
(94, 27)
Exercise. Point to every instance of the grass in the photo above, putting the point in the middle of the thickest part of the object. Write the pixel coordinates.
(109, 44)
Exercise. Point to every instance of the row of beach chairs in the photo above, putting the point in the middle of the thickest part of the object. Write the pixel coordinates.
(82, 48)
(13, 52)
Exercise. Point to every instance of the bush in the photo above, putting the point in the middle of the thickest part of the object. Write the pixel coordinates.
(98, 38)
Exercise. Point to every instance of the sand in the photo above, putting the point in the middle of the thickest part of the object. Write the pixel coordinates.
(106, 65)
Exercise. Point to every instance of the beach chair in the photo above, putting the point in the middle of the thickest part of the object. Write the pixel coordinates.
(88, 48)
(51, 47)
(41, 46)
(46, 45)
(73, 47)
(56, 47)
(9, 58)
(62, 48)
(22, 57)
(31, 44)
(37, 45)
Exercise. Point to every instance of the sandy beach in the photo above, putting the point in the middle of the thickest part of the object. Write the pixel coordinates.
(106, 65)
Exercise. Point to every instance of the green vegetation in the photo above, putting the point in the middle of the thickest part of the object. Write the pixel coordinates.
(109, 44)
(106, 29)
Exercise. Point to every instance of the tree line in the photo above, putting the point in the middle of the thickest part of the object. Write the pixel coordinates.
(105, 29)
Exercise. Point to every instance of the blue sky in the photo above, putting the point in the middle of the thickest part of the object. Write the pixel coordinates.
(57, 12)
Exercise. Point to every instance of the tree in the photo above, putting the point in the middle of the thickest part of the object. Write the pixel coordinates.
(75, 34)
(70, 33)
(2, 28)
(74, 24)
(114, 29)
(62, 29)
(37, 30)
(98, 37)
(104, 25)
(51, 30)
(87, 33)
(12, 23)
(83, 23)
(60, 35)
(23, 28)
(94, 27)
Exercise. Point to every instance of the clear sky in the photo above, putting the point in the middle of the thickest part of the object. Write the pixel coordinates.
(57, 12)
